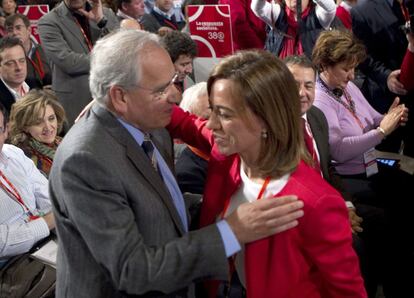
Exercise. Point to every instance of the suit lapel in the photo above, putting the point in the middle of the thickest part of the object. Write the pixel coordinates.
(139, 159)
(321, 143)
(7, 99)
(69, 22)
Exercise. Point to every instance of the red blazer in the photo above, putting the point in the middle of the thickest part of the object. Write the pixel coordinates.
(407, 71)
(314, 259)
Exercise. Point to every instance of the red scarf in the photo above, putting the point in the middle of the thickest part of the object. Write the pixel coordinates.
(292, 45)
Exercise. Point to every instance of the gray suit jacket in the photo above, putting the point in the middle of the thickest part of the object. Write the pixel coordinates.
(119, 232)
(65, 46)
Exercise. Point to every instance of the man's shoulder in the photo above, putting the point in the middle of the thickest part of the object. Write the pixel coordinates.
(3, 89)
(315, 112)
(367, 7)
(11, 152)
(53, 14)
(91, 134)
(148, 17)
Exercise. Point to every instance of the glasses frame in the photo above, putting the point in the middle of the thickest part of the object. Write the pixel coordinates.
(158, 94)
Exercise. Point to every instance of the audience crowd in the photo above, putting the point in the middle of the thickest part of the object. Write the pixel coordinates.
(262, 181)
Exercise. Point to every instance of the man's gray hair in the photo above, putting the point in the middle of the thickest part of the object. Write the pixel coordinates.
(191, 95)
(114, 61)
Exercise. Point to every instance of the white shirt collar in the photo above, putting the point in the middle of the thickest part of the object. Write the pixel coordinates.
(167, 15)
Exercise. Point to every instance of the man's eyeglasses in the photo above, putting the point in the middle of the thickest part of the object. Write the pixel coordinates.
(160, 92)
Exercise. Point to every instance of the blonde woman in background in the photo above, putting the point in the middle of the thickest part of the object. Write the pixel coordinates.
(35, 122)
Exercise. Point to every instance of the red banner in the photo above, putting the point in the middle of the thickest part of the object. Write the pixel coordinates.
(34, 13)
(210, 27)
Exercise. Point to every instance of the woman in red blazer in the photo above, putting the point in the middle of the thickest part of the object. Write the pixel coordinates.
(255, 142)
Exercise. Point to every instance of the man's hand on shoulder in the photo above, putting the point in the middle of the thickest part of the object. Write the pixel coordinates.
(263, 218)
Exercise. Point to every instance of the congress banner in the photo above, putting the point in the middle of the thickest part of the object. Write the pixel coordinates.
(210, 27)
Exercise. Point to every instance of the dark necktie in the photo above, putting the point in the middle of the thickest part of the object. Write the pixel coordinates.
(148, 148)
(310, 146)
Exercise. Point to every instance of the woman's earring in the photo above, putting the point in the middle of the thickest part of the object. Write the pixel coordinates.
(264, 134)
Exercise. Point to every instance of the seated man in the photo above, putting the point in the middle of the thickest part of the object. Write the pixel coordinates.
(25, 208)
(38, 69)
(13, 71)
(182, 50)
(162, 19)
(191, 164)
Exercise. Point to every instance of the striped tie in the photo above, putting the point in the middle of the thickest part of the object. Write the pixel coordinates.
(309, 144)
(148, 148)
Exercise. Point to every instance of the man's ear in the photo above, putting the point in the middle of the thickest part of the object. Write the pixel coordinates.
(118, 100)
(123, 7)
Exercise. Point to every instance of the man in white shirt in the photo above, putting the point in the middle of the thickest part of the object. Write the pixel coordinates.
(13, 71)
(25, 208)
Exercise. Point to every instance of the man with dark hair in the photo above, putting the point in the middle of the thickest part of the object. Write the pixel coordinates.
(130, 9)
(316, 125)
(38, 69)
(182, 50)
(13, 71)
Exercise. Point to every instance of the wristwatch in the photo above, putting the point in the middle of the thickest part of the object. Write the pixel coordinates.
(102, 23)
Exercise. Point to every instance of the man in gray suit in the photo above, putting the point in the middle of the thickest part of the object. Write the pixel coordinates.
(120, 216)
(68, 34)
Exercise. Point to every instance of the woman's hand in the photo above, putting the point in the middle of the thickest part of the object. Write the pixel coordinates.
(397, 115)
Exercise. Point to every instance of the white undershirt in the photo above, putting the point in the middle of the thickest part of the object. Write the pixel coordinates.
(248, 192)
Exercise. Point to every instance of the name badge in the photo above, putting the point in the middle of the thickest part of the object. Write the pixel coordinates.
(370, 162)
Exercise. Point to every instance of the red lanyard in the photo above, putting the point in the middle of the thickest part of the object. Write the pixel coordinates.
(350, 109)
(38, 66)
(12, 191)
(259, 196)
(170, 24)
(88, 42)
